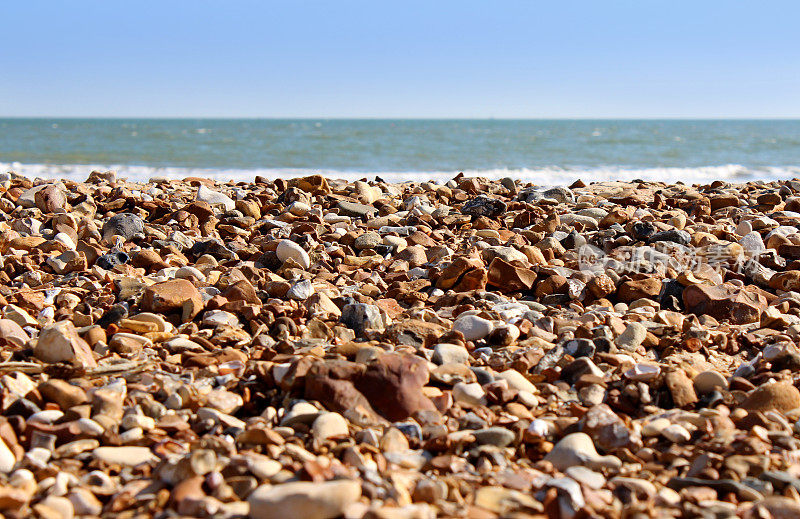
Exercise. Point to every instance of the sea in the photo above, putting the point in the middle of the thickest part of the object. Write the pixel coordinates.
(543, 152)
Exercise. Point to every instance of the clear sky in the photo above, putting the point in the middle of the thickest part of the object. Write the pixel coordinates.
(433, 58)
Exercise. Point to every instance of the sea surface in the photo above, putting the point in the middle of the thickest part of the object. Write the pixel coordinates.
(545, 152)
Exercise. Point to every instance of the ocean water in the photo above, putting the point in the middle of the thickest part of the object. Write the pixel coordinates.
(545, 152)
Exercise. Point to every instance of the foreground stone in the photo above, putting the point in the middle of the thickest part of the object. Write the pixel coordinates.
(308, 500)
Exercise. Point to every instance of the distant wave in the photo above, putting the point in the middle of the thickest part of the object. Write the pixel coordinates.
(546, 176)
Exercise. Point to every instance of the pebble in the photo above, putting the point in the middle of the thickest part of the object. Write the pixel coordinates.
(444, 353)
(676, 433)
(215, 198)
(577, 449)
(329, 425)
(472, 327)
(125, 225)
(288, 249)
(707, 381)
(60, 342)
(497, 436)
(632, 337)
(782, 396)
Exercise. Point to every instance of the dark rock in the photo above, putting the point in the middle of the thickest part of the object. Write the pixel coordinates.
(393, 385)
(642, 231)
(127, 225)
(113, 315)
(561, 194)
(673, 235)
(671, 296)
(484, 206)
(111, 260)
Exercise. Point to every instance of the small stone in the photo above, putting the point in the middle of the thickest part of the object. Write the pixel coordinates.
(517, 380)
(13, 333)
(606, 429)
(361, 317)
(676, 433)
(368, 240)
(63, 393)
(673, 235)
(725, 302)
(301, 290)
(469, 394)
(497, 436)
(393, 385)
(503, 501)
(355, 209)
(7, 458)
(484, 206)
(68, 261)
(681, 388)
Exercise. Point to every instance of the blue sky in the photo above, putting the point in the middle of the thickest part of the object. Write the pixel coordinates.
(400, 59)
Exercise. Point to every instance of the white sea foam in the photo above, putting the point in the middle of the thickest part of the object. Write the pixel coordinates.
(546, 176)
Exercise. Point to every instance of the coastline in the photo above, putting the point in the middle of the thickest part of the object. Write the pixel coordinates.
(416, 349)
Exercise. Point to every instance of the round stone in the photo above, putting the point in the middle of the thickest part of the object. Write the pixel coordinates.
(707, 381)
(473, 327)
(781, 396)
(329, 425)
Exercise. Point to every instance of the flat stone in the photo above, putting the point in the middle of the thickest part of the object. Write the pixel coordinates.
(13, 333)
(707, 381)
(355, 209)
(126, 456)
(724, 302)
(497, 436)
(308, 500)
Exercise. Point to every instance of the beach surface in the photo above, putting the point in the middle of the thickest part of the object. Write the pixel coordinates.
(313, 347)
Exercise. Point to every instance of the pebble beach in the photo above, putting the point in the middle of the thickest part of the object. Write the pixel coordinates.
(321, 348)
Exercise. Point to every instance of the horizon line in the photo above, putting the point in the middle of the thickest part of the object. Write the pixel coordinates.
(380, 118)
